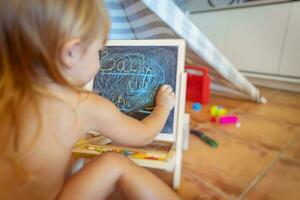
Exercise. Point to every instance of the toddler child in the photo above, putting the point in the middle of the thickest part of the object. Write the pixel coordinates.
(48, 51)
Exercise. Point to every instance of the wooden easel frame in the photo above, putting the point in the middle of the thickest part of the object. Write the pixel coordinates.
(174, 162)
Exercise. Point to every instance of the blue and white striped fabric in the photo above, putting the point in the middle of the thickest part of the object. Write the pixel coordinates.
(162, 19)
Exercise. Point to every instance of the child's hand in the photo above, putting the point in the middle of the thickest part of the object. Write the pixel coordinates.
(165, 97)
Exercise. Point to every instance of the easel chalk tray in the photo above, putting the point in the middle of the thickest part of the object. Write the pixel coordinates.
(158, 154)
(130, 74)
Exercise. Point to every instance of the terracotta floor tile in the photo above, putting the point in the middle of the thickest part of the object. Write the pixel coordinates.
(293, 151)
(284, 98)
(266, 132)
(282, 182)
(194, 189)
(231, 167)
(282, 107)
(191, 187)
(227, 102)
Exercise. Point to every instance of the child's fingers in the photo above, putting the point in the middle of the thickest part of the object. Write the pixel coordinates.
(165, 87)
(170, 92)
(169, 89)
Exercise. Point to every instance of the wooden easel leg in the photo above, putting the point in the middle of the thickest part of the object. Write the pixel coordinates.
(179, 137)
(177, 174)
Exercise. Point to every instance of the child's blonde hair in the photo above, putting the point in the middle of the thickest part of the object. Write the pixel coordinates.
(32, 33)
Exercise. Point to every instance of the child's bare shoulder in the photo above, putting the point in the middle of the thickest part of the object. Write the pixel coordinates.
(93, 105)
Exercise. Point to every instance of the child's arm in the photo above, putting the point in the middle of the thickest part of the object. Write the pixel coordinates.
(104, 117)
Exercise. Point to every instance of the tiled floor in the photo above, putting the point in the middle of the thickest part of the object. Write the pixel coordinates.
(259, 160)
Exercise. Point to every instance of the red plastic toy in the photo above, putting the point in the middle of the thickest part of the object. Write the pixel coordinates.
(198, 84)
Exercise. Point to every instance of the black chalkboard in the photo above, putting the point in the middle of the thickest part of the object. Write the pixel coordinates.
(130, 76)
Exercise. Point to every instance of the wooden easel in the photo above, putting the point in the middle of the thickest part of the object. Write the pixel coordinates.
(171, 160)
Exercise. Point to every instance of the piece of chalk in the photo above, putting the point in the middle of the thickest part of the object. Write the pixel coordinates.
(229, 119)
(127, 153)
(196, 106)
(151, 158)
(139, 155)
(205, 138)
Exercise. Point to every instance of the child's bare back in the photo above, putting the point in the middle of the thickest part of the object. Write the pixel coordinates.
(64, 120)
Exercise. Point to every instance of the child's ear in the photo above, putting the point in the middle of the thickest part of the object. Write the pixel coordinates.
(71, 52)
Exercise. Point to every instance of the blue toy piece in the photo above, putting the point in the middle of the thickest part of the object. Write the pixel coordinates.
(197, 107)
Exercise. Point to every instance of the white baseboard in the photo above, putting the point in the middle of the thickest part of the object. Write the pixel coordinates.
(276, 82)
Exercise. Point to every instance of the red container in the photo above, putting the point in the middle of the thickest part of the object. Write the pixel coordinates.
(198, 84)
